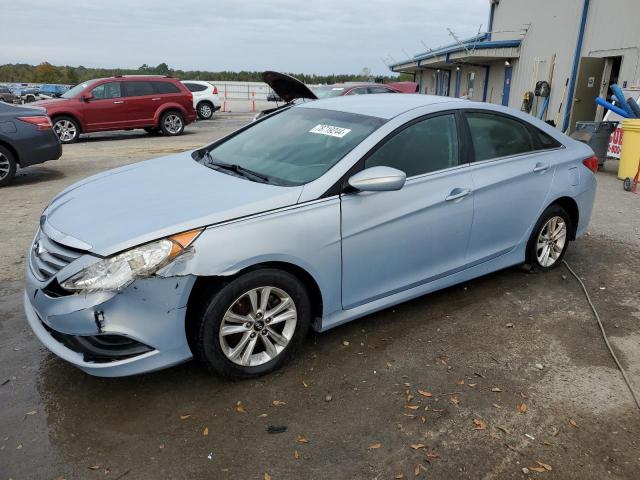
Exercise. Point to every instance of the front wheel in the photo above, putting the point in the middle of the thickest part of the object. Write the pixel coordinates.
(67, 129)
(254, 324)
(172, 123)
(549, 239)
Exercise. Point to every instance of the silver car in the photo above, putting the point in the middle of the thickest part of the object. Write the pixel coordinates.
(310, 217)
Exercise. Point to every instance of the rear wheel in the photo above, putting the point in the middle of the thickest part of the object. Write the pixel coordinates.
(549, 239)
(7, 166)
(205, 110)
(67, 129)
(254, 324)
(172, 123)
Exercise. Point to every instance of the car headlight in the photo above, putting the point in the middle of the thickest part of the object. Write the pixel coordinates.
(118, 271)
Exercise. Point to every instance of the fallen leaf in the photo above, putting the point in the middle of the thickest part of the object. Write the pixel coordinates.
(161, 446)
(389, 365)
(523, 395)
(262, 415)
(503, 429)
(425, 393)
(409, 415)
(409, 398)
(455, 400)
(460, 382)
(301, 439)
(205, 432)
(496, 405)
(412, 407)
(345, 343)
(296, 455)
(546, 466)
(94, 467)
(423, 419)
(32, 412)
(479, 424)
(240, 408)
(417, 446)
(277, 403)
(432, 455)
(573, 423)
(522, 407)
(472, 385)
(537, 469)
(185, 416)
(416, 470)
(374, 446)
(399, 476)
(305, 384)
(496, 389)
(267, 476)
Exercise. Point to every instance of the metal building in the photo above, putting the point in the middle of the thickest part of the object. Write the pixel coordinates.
(579, 46)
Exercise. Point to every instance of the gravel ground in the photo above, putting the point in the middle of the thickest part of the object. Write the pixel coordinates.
(502, 377)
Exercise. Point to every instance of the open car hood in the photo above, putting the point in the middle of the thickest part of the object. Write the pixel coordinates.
(287, 87)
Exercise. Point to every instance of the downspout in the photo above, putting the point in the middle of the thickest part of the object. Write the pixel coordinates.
(574, 68)
(486, 82)
(492, 11)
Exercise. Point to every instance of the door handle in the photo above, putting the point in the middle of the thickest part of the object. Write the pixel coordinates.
(119, 101)
(157, 98)
(541, 167)
(457, 193)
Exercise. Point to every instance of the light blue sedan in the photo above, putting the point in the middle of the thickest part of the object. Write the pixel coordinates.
(309, 217)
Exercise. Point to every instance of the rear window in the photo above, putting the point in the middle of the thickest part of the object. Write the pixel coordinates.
(165, 87)
(138, 89)
(195, 87)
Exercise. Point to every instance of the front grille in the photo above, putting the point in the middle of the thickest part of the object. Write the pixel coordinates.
(48, 257)
(100, 348)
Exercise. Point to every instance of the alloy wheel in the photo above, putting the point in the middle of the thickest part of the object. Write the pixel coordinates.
(258, 326)
(173, 124)
(65, 130)
(5, 166)
(205, 111)
(551, 241)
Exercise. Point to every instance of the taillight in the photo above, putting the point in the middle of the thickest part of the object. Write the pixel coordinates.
(42, 123)
(591, 163)
(215, 90)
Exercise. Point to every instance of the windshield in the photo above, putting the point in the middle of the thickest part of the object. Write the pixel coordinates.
(328, 91)
(295, 146)
(75, 91)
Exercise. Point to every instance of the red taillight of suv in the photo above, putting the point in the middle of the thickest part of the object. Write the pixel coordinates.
(41, 123)
(591, 163)
(215, 90)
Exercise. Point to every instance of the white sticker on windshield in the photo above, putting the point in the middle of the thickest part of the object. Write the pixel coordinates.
(330, 130)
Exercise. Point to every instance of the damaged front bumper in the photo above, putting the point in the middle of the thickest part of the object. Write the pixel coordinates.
(114, 334)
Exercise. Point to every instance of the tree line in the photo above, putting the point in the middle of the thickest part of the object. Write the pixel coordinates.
(47, 73)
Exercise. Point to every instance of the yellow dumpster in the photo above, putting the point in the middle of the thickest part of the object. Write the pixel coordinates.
(630, 155)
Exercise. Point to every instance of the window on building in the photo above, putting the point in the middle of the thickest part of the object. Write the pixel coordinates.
(471, 76)
(426, 146)
(496, 136)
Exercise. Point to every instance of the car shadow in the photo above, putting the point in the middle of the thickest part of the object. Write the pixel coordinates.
(118, 136)
(33, 175)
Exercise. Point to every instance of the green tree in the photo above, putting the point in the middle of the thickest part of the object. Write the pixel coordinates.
(45, 73)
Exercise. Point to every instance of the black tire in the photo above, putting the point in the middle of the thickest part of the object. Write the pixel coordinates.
(172, 123)
(67, 129)
(7, 166)
(205, 110)
(152, 130)
(533, 249)
(208, 347)
(626, 184)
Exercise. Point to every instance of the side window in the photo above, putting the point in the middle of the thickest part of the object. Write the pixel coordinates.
(496, 136)
(546, 141)
(358, 91)
(380, 90)
(195, 87)
(107, 90)
(164, 87)
(426, 146)
(138, 89)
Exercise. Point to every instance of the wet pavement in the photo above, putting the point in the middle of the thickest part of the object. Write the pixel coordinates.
(482, 380)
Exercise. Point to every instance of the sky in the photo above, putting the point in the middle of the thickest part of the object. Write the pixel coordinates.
(299, 36)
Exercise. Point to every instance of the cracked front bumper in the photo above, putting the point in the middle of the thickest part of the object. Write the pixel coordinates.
(149, 313)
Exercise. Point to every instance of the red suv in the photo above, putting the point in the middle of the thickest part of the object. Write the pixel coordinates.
(155, 103)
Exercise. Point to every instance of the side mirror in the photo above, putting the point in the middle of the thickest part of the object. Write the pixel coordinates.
(87, 96)
(378, 179)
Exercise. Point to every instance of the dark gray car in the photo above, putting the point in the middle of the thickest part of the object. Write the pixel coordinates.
(26, 138)
(7, 95)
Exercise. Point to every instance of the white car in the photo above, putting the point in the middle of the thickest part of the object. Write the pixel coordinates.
(205, 98)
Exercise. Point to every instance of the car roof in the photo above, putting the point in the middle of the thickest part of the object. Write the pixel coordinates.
(199, 82)
(381, 105)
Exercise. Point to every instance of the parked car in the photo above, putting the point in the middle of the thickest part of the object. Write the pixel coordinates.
(340, 89)
(154, 103)
(308, 218)
(205, 98)
(26, 138)
(7, 96)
